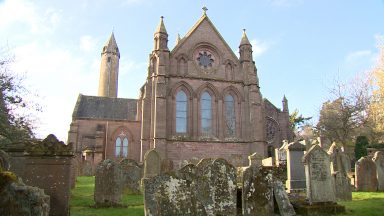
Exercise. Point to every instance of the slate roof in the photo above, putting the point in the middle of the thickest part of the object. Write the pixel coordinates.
(94, 107)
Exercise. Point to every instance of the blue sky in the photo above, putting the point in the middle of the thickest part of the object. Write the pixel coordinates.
(300, 47)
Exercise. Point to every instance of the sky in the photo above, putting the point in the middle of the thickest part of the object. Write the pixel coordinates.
(300, 47)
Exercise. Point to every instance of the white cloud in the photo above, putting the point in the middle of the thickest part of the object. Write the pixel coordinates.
(357, 55)
(17, 13)
(88, 43)
(259, 47)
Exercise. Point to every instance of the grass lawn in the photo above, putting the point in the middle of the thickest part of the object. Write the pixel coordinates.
(82, 200)
(363, 204)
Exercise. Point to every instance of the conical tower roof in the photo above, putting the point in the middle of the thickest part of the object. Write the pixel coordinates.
(111, 42)
(244, 39)
(111, 45)
(161, 27)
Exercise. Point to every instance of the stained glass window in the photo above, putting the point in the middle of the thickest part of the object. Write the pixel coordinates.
(230, 117)
(121, 146)
(206, 113)
(118, 147)
(181, 112)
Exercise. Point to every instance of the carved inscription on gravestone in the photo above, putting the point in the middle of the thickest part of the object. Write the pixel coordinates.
(319, 169)
(320, 185)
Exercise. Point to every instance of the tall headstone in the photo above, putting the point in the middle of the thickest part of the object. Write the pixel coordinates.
(131, 176)
(320, 185)
(365, 172)
(295, 167)
(152, 163)
(379, 161)
(257, 192)
(216, 186)
(340, 166)
(108, 186)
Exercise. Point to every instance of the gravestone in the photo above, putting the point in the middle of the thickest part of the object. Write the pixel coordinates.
(216, 186)
(108, 187)
(340, 166)
(320, 185)
(48, 165)
(257, 193)
(206, 189)
(282, 199)
(169, 195)
(152, 163)
(166, 165)
(295, 167)
(131, 176)
(281, 154)
(379, 161)
(365, 172)
(19, 199)
(187, 172)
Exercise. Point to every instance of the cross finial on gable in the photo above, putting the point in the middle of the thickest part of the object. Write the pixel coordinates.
(205, 10)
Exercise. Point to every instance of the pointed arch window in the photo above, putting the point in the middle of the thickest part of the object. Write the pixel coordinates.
(181, 112)
(230, 116)
(206, 113)
(121, 146)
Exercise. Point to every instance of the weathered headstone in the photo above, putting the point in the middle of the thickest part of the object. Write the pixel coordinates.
(166, 165)
(365, 172)
(320, 185)
(295, 167)
(169, 195)
(108, 187)
(257, 193)
(187, 172)
(339, 169)
(16, 198)
(379, 161)
(152, 163)
(282, 200)
(131, 176)
(216, 186)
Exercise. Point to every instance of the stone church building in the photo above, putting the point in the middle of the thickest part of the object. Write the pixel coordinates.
(199, 100)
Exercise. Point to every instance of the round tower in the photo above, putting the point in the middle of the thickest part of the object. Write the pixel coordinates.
(109, 69)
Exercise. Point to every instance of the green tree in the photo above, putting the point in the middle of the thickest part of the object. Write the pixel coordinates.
(298, 120)
(15, 124)
(361, 147)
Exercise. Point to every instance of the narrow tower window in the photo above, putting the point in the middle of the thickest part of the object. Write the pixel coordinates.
(206, 113)
(230, 117)
(181, 112)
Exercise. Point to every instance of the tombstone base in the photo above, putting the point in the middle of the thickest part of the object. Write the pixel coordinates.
(318, 209)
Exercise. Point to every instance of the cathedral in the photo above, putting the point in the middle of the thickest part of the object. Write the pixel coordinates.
(199, 100)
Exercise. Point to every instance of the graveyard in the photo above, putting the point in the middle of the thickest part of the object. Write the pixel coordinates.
(212, 186)
(181, 111)
(363, 203)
